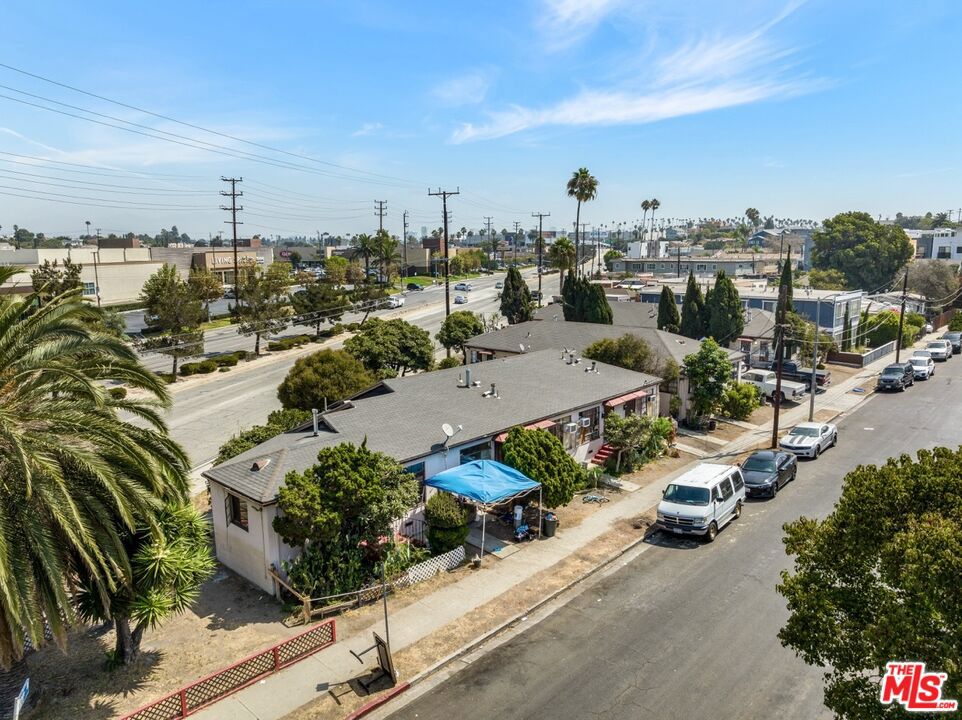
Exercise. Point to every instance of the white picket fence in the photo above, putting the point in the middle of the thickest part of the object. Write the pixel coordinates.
(431, 567)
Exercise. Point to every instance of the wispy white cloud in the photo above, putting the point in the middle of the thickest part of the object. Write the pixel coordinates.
(468, 89)
(368, 128)
(702, 75)
(566, 22)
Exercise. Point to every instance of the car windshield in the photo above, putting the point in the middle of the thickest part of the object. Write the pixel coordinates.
(935, 345)
(804, 432)
(893, 372)
(686, 495)
(919, 361)
(758, 464)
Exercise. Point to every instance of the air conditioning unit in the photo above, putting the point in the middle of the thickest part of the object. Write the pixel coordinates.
(584, 422)
(570, 427)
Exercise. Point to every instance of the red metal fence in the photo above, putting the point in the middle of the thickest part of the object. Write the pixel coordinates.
(191, 698)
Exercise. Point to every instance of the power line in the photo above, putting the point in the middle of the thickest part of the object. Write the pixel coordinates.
(541, 216)
(444, 194)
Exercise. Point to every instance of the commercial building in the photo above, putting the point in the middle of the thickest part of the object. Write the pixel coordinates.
(734, 265)
(480, 403)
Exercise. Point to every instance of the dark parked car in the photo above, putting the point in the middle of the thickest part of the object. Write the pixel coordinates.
(767, 471)
(415, 287)
(955, 338)
(896, 376)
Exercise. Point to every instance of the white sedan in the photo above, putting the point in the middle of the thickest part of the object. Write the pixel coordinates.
(460, 299)
(923, 365)
(809, 439)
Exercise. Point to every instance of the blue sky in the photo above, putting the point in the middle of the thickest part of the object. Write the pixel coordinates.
(801, 109)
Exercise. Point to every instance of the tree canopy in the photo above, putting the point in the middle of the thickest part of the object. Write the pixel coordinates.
(457, 328)
(323, 378)
(668, 317)
(693, 311)
(261, 301)
(937, 280)
(542, 457)
(317, 303)
(863, 593)
(826, 279)
(709, 371)
(632, 353)
(868, 254)
(585, 301)
(351, 492)
(638, 438)
(173, 307)
(391, 347)
(724, 308)
(516, 305)
(50, 280)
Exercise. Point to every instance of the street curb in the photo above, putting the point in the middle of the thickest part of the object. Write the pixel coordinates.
(482, 639)
(378, 702)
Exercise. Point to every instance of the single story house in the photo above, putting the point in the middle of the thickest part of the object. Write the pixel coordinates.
(537, 335)
(409, 419)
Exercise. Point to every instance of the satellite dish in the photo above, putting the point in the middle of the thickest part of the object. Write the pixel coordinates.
(447, 430)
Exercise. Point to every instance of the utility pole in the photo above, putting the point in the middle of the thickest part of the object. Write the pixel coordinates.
(233, 195)
(444, 194)
(404, 240)
(380, 212)
(541, 216)
(584, 226)
(779, 356)
(898, 338)
(811, 400)
(96, 262)
(678, 261)
(517, 224)
(494, 249)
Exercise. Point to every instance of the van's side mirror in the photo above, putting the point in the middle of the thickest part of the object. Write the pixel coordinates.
(663, 492)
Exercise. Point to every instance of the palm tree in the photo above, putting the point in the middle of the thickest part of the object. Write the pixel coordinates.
(583, 187)
(75, 475)
(388, 254)
(655, 204)
(646, 206)
(940, 220)
(367, 247)
(562, 255)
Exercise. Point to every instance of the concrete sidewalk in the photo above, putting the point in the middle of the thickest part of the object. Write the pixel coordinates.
(280, 694)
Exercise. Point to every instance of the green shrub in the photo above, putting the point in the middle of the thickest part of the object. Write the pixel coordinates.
(167, 377)
(117, 393)
(352, 327)
(228, 361)
(207, 366)
(447, 523)
(188, 369)
(223, 369)
(739, 401)
(336, 329)
(541, 456)
(449, 362)
(289, 419)
(955, 325)
(674, 406)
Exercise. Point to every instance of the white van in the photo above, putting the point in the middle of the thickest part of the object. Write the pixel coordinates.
(703, 500)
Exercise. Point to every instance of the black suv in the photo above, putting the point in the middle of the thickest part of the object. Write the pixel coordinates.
(414, 287)
(896, 376)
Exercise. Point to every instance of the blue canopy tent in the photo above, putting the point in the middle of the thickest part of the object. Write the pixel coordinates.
(486, 482)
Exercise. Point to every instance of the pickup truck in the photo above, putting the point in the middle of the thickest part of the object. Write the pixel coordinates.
(792, 370)
(764, 380)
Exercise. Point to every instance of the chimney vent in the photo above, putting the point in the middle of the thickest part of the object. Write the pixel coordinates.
(260, 464)
(467, 377)
(314, 416)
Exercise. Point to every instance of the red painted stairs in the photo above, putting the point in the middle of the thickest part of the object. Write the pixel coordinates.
(604, 452)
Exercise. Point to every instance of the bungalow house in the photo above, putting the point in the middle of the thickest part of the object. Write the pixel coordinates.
(558, 334)
(409, 419)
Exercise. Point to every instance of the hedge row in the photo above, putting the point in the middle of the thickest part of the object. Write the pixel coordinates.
(223, 362)
(289, 342)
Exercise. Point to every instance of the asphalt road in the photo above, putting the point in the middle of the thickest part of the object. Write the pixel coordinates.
(688, 630)
(209, 410)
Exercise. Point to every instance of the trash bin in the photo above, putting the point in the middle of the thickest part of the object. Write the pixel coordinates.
(549, 524)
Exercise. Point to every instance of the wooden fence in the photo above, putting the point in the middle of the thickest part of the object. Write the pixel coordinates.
(216, 686)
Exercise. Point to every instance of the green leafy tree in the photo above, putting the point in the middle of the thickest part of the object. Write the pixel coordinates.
(826, 279)
(50, 280)
(955, 325)
(668, 317)
(262, 304)
(350, 492)
(585, 301)
(393, 345)
(70, 464)
(447, 523)
(457, 328)
(335, 268)
(877, 330)
(628, 351)
(693, 311)
(174, 308)
(583, 187)
(516, 304)
(867, 253)
(739, 401)
(562, 255)
(206, 287)
(170, 559)
(709, 371)
(862, 594)
(323, 378)
(638, 438)
(447, 363)
(541, 456)
(317, 303)
(725, 320)
(937, 280)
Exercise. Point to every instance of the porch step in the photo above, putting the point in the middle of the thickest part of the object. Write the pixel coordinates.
(601, 457)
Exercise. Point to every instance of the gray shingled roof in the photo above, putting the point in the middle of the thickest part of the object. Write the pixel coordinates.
(402, 417)
(556, 334)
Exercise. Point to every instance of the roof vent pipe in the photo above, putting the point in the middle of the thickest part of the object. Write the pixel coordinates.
(494, 390)
(314, 416)
(467, 377)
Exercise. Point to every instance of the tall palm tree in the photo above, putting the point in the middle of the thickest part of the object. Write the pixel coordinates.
(655, 204)
(71, 467)
(367, 247)
(388, 255)
(646, 206)
(562, 255)
(583, 187)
